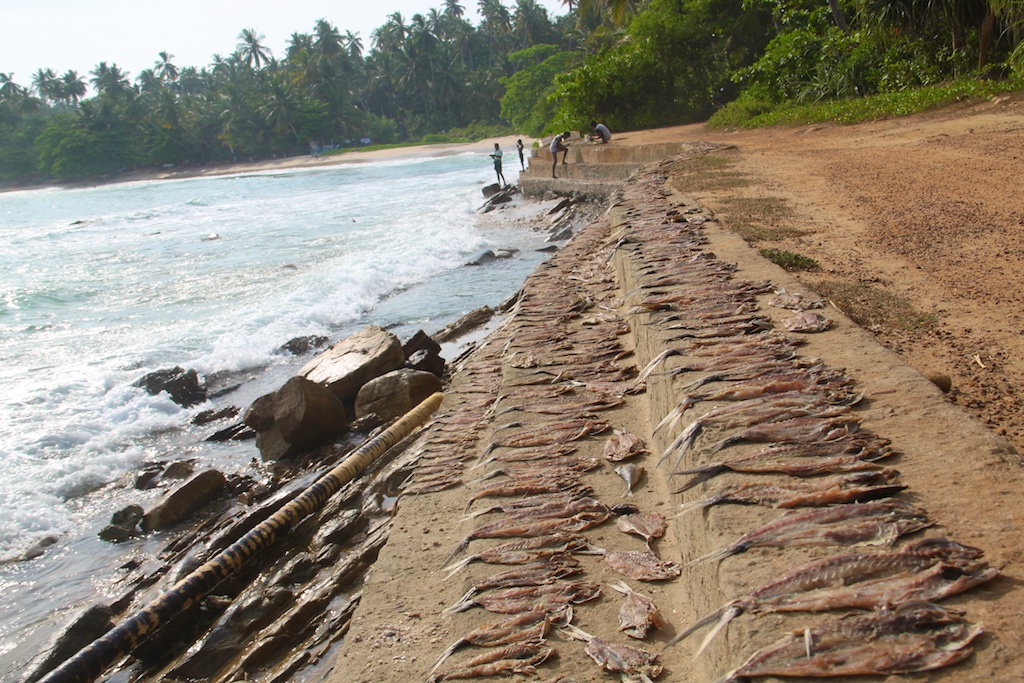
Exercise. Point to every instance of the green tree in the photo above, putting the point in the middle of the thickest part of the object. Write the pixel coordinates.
(251, 48)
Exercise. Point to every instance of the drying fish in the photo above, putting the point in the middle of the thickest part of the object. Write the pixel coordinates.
(559, 406)
(878, 522)
(546, 598)
(631, 474)
(550, 504)
(916, 636)
(535, 436)
(807, 321)
(642, 565)
(528, 454)
(516, 658)
(520, 528)
(526, 627)
(759, 412)
(798, 460)
(565, 466)
(632, 664)
(528, 487)
(524, 550)
(622, 445)
(793, 300)
(808, 429)
(638, 613)
(647, 525)
(844, 488)
(540, 572)
(931, 569)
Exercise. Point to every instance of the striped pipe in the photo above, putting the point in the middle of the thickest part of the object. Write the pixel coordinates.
(91, 661)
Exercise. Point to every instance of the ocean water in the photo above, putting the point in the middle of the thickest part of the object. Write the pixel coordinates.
(103, 285)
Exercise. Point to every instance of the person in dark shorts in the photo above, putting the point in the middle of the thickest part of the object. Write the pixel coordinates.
(522, 161)
(496, 155)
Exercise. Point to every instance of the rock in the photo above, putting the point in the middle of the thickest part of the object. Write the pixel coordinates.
(426, 361)
(300, 346)
(208, 416)
(90, 625)
(236, 432)
(467, 322)
(178, 469)
(483, 257)
(298, 416)
(183, 501)
(182, 386)
(354, 361)
(490, 190)
(420, 341)
(123, 524)
(37, 548)
(396, 393)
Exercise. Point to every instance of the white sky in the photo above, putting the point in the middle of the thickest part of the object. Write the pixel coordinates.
(79, 34)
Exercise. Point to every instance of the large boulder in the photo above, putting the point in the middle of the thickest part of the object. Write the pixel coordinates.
(396, 393)
(179, 504)
(298, 416)
(354, 361)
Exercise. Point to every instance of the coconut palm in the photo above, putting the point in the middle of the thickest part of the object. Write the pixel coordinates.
(72, 87)
(45, 83)
(109, 80)
(251, 49)
(164, 69)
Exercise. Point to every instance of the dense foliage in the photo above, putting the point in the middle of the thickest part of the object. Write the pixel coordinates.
(629, 63)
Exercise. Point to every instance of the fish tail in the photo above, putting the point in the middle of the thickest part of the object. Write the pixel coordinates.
(464, 603)
(698, 505)
(655, 362)
(720, 554)
(703, 474)
(459, 549)
(691, 434)
(727, 614)
(456, 567)
(443, 656)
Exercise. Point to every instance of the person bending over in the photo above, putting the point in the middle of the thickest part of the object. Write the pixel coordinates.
(599, 131)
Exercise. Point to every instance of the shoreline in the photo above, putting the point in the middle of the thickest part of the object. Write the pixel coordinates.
(306, 161)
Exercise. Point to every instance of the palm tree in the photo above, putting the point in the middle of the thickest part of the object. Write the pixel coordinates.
(44, 82)
(164, 69)
(328, 42)
(8, 88)
(353, 44)
(251, 49)
(72, 87)
(109, 80)
(619, 10)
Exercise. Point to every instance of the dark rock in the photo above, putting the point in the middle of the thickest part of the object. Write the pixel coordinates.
(208, 416)
(471, 320)
(426, 361)
(182, 386)
(484, 257)
(37, 548)
(364, 424)
(236, 432)
(185, 500)
(298, 416)
(123, 524)
(490, 190)
(178, 469)
(396, 393)
(354, 361)
(90, 625)
(300, 346)
(418, 342)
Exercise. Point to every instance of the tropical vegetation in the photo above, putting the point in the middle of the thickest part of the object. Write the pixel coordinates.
(436, 76)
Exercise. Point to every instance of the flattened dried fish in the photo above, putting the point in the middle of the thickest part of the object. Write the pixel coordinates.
(519, 528)
(631, 474)
(520, 658)
(647, 525)
(642, 565)
(622, 445)
(547, 598)
(916, 636)
(878, 522)
(540, 572)
(638, 613)
(807, 321)
(632, 664)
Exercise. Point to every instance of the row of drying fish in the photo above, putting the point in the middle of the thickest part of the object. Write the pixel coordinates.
(761, 391)
(529, 486)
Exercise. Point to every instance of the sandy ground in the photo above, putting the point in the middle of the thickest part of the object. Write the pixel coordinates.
(926, 207)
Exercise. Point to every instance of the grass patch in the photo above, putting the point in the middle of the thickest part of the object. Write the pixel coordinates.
(705, 173)
(759, 219)
(790, 261)
(874, 308)
(884, 105)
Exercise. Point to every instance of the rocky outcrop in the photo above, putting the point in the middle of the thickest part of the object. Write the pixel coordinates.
(355, 360)
(396, 393)
(471, 320)
(300, 415)
(183, 501)
(183, 386)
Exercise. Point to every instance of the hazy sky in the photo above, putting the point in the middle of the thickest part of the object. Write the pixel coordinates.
(79, 34)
